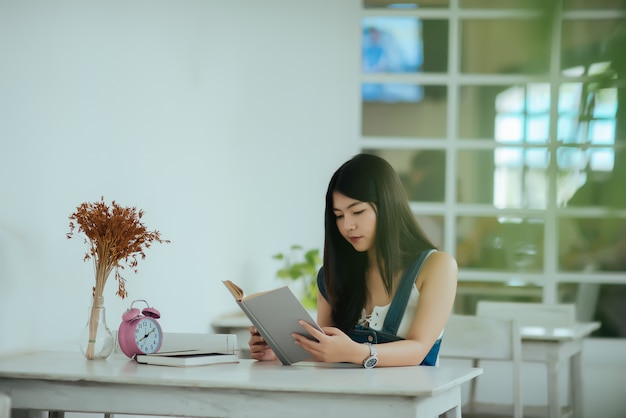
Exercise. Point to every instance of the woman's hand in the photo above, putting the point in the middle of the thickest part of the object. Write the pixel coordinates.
(332, 345)
(259, 350)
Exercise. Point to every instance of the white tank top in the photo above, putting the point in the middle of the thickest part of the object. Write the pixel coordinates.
(379, 313)
(377, 318)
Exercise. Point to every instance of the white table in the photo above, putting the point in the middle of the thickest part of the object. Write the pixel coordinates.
(552, 346)
(549, 345)
(66, 381)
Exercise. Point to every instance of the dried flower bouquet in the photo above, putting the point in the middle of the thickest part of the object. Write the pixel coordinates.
(116, 237)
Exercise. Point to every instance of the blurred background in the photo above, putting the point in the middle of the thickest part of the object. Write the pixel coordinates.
(503, 119)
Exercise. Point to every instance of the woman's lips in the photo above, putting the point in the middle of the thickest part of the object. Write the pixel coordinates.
(354, 240)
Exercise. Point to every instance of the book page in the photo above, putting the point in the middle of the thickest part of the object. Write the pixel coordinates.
(234, 289)
(237, 292)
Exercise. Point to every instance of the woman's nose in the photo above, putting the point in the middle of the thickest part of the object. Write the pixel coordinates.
(348, 223)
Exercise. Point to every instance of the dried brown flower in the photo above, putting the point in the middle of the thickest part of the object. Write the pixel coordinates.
(116, 238)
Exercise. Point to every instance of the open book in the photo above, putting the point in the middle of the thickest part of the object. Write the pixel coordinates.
(275, 314)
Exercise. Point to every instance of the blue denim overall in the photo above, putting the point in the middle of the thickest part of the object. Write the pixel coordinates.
(363, 334)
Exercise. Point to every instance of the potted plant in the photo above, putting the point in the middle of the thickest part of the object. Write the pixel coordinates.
(301, 266)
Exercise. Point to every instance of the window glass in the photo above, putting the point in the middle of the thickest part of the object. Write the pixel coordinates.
(591, 177)
(404, 4)
(592, 244)
(422, 171)
(423, 118)
(393, 45)
(525, 49)
(507, 177)
(500, 243)
(477, 109)
(508, 114)
(593, 4)
(476, 176)
(591, 41)
(468, 293)
(588, 111)
(602, 302)
(433, 227)
(499, 4)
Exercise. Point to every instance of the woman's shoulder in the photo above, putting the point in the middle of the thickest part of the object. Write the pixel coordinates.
(441, 259)
(438, 264)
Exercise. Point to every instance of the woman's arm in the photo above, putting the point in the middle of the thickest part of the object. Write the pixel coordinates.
(437, 285)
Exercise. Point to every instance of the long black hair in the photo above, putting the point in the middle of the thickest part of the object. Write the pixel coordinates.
(399, 239)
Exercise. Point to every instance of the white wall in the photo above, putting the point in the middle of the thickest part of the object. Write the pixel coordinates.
(222, 120)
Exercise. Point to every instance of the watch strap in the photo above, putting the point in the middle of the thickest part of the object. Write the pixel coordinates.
(371, 360)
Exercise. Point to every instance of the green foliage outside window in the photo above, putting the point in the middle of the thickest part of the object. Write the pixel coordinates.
(301, 265)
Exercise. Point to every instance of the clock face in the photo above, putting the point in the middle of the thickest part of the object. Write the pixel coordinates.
(148, 335)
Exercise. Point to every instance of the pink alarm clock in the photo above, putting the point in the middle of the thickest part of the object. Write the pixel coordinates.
(140, 333)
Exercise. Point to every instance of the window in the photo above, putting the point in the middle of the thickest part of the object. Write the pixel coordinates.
(509, 114)
(586, 115)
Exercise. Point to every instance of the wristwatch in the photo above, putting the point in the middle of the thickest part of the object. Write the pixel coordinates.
(372, 360)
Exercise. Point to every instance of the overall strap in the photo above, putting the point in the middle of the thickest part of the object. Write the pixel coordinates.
(401, 298)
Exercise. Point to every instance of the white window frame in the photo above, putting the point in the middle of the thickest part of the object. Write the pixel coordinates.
(550, 277)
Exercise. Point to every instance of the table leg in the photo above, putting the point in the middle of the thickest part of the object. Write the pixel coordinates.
(452, 413)
(576, 381)
(432, 407)
(5, 405)
(554, 390)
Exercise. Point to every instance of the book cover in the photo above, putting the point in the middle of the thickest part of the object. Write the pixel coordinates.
(275, 314)
(187, 360)
(193, 343)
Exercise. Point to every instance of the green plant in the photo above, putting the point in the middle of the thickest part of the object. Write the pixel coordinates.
(301, 265)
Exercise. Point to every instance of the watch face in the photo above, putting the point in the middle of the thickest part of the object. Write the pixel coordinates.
(370, 362)
(148, 335)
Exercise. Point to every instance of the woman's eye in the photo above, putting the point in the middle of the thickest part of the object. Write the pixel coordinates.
(338, 216)
(358, 212)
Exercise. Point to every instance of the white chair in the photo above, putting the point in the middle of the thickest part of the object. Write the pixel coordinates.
(529, 314)
(534, 315)
(494, 339)
(5, 405)
(587, 301)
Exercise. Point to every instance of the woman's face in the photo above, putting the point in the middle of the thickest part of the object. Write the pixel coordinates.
(356, 221)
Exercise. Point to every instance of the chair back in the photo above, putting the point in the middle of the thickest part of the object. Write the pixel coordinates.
(485, 338)
(529, 314)
(472, 337)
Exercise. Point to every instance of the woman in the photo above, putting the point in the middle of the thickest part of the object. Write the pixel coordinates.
(375, 254)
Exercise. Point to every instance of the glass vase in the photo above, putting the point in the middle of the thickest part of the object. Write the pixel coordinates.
(96, 340)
